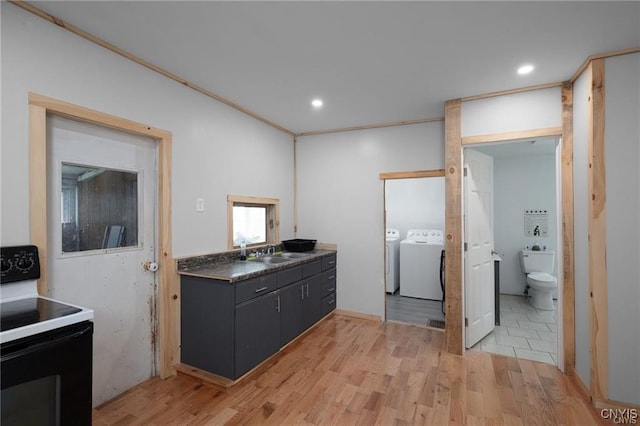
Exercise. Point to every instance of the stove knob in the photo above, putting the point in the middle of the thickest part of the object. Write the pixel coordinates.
(5, 265)
(24, 263)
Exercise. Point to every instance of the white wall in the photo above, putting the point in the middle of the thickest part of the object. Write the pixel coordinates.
(622, 138)
(521, 183)
(581, 228)
(216, 150)
(415, 204)
(538, 109)
(341, 199)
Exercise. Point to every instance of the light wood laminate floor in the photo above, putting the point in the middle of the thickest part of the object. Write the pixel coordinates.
(352, 371)
(412, 310)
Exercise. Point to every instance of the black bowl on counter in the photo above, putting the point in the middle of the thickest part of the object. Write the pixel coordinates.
(299, 245)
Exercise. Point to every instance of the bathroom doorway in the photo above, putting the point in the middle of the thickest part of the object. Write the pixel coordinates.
(527, 212)
(414, 201)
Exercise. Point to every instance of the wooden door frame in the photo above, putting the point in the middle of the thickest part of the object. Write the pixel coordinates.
(392, 176)
(454, 227)
(168, 305)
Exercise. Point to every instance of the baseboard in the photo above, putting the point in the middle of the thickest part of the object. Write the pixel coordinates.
(582, 387)
(357, 315)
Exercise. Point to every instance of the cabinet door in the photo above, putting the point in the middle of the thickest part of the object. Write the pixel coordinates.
(291, 312)
(257, 331)
(312, 306)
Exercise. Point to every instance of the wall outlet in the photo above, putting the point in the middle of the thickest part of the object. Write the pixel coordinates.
(199, 204)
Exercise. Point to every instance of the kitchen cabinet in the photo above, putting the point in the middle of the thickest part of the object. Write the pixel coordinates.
(257, 331)
(228, 328)
(301, 307)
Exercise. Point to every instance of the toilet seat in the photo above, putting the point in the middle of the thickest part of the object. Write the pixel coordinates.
(542, 280)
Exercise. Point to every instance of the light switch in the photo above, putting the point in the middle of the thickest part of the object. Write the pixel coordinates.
(199, 204)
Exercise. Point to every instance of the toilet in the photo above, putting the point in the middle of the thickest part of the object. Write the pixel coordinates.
(538, 265)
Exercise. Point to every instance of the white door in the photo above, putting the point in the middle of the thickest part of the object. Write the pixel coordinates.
(478, 261)
(102, 226)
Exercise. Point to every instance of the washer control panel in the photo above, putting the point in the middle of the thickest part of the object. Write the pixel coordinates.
(19, 263)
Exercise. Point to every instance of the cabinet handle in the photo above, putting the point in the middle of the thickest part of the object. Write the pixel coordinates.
(332, 262)
(331, 302)
(302, 292)
(307, 289)
(261, 289)
(332, 289)
(278, 304)
(331, 277)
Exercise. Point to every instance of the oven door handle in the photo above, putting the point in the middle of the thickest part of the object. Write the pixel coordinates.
(47, 342)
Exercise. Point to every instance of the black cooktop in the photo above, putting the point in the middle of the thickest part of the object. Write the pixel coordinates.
(19, 313)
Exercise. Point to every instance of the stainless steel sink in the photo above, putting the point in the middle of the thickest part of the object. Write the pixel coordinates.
(271, 259)
(294, 255)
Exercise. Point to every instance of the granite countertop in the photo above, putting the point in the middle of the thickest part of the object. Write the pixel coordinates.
(233, 270)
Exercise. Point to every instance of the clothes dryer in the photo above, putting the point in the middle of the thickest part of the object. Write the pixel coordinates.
(392, 260)
(420, 264)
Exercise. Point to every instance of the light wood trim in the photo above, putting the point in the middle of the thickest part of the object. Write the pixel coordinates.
(355, 314)
(597, 234)
(37, 189)
(168, 291)
(454, 325)
(295, 186)
(568, 285)
(414, 174)
(115, 49)
(273, 214)
(605, 55)
(511, 136)
(76, 112)
(372, 126)
(511, 91)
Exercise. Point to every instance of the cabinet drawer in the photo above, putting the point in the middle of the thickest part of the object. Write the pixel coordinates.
(328, 288)
(289, 276)
(328, 304)
(311, 268)
(328, 282)
(329, 262)
(254, 287)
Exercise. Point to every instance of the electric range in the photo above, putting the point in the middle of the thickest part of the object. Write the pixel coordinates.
(23, 312)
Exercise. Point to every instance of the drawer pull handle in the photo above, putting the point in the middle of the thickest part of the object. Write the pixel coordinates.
(332, 289)
(261, 289)
(331, 277)
(332, 262)
(331, 302)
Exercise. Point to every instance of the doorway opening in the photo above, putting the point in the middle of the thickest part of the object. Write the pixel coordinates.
(414, 243)
(525, 218)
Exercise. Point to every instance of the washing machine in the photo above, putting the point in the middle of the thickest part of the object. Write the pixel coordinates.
(392, 260)
(420, 264)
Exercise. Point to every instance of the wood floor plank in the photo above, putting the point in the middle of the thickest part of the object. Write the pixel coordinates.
(350, 371)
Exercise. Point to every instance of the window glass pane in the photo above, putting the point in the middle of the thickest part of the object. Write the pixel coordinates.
(99, 208)
(249, 224)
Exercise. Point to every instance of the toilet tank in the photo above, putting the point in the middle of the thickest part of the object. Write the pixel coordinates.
(537, 261)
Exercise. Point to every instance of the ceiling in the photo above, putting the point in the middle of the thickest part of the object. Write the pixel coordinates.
(370, 62)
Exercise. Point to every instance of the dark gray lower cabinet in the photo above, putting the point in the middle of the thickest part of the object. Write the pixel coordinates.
(301, 307)
(228, 329)
(257, 331)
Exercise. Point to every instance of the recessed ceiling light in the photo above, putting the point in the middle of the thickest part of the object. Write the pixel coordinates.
(525, 69)
(316, 103)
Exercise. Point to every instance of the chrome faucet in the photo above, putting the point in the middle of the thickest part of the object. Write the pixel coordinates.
(271, 249)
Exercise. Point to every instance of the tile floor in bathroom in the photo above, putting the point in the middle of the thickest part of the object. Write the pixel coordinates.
(524, 331)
